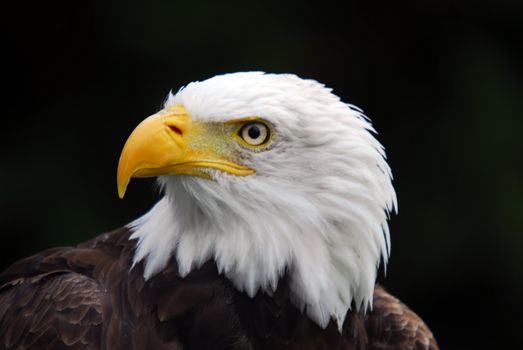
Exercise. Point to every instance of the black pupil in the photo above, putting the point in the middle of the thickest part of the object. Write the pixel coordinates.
(254, 132)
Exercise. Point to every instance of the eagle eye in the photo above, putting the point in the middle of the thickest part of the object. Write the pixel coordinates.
(255, 134)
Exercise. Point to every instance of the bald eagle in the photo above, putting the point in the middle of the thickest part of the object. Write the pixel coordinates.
(271, 228)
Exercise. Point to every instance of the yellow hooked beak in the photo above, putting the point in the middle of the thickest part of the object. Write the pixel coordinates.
(170, 143)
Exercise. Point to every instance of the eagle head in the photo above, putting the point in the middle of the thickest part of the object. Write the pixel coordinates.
(268, 175)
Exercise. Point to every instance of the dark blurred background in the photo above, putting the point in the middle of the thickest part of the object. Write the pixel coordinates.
(442, 81)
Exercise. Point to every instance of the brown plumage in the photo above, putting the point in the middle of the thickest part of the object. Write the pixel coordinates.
(89, 297)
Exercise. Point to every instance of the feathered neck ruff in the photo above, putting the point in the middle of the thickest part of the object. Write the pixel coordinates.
(256, 232)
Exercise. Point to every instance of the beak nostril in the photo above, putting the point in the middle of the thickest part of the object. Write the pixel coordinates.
(175, 129)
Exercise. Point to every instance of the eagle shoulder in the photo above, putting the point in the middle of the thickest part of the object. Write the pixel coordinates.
(391, 325)
(51, 310)
(91, 297)
(56, 298)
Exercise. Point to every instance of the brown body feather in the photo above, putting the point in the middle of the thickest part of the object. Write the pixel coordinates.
(89, 297)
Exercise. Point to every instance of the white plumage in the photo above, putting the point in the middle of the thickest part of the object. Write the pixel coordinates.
(316, 207)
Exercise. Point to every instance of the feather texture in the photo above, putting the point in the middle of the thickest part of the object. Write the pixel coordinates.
(88, 297)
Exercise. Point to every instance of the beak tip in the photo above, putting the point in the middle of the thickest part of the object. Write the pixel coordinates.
(122, 179)
(121, 189)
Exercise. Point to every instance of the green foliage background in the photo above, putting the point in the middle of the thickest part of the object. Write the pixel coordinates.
(442, 81)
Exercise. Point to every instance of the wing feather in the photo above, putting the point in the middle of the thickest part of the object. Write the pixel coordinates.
(49, 310)
(393, 326)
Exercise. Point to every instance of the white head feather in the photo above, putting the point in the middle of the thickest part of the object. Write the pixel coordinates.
(316, 208)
